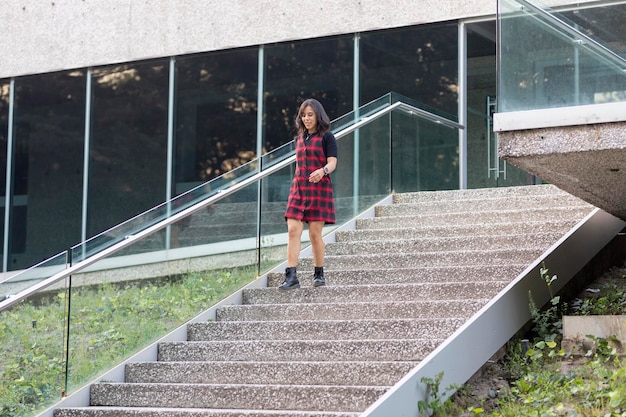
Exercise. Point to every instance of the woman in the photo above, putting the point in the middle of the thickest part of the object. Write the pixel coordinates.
(311, 194)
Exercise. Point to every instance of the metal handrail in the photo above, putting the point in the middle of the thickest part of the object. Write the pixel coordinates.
(583, 39)
(132, 238)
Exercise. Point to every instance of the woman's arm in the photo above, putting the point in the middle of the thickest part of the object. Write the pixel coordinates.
(331, 165)
(318, 174)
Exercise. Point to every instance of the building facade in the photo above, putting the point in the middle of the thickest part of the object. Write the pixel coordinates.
(106, 111)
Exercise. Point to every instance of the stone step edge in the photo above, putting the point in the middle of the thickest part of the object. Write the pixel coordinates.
(529, 248)
(487, 213)
(392, 286)
(357, 303)
(436, 238)
(179, 384)
(281, 363)
(528, 205)
(437, 340)
(555, 223)
(435, 268)
(338, 321)
(186, 412)
(483, 194)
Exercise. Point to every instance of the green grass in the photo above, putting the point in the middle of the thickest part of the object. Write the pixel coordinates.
(108, 323)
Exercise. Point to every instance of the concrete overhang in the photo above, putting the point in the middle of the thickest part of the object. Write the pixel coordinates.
(580, 149)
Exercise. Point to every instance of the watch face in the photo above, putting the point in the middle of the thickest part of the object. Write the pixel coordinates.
(325, 170)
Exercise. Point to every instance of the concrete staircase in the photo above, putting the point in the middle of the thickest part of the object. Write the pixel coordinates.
(397, 286)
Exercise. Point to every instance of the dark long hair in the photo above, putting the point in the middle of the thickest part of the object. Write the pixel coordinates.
(323, 122)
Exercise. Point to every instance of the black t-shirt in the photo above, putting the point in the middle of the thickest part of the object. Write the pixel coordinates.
(329, 144)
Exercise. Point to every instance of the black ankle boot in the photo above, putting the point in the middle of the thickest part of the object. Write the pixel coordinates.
(291, 280)
(318, 277)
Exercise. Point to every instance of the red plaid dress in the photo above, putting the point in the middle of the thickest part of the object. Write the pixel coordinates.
(310, 202)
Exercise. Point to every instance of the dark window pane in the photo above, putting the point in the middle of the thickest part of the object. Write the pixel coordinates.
(47, 166)
(216, 107)
(128, 150)
(418, 62)
(322, 69)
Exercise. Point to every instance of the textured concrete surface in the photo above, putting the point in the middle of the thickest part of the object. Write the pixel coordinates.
(436, 274)
(298, 397)
(375, 293)
(193, 412)
(383, 373)
(47, 36)
(577, 329)
(498, 228)
(372, 329)
(299, 350)
(353, 310)
(394, 259)
(588, 161)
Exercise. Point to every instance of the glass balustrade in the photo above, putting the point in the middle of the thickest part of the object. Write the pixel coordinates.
(227, 232)
(551, 59)
(32, 335)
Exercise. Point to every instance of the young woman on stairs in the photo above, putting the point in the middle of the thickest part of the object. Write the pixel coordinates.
(311, 197)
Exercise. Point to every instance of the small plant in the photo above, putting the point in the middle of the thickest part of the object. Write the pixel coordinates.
(433, 405)
(547, 324)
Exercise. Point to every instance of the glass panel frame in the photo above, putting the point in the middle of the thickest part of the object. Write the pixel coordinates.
(545, 63)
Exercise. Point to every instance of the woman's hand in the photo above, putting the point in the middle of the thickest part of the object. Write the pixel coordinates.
(317, 175)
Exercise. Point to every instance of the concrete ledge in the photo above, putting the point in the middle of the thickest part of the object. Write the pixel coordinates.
(588, 161)
(577, 329)
(560, 116)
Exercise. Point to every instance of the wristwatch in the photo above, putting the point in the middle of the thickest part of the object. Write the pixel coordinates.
(325, 170)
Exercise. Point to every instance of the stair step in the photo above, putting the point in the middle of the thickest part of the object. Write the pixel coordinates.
(479, 193)
(484, 218)
(324, 329)
(455, 230)
(277, 397)
(433, 274)
(443, 244)
(299, 350)
(357, 310)
(190, 412)
(472, 204)
(393, 259)
(383, 373)
(375, 293)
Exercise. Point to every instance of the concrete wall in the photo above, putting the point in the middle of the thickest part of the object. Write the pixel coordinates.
(48, 35)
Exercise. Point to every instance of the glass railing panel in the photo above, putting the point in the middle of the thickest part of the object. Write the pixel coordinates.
(425, 154)
(546, 64)
(349, 119)
(278, 155)
(32, 368)
(33, 275)
(120, 305)
(363, 174)
(395, 97)
(159, 213)
(604, 23)
(273, 226)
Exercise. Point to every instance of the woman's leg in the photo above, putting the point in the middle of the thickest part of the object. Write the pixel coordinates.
(317, 243)
(294, 231)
